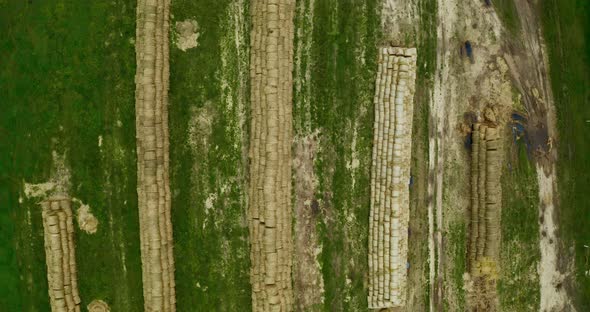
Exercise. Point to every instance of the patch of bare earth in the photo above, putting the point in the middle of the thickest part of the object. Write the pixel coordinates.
(308, 280)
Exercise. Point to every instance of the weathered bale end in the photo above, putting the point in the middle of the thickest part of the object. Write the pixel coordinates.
(153, 186)
(484, 277)
(60, 255)
(269, 214)
(390, 176)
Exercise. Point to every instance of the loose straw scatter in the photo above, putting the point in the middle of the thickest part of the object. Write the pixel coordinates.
(153, 186)
(270, 154)
(60, 255)
(390, 176)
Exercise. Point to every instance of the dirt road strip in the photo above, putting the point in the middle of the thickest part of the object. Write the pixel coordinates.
(271, 66)
(153, 186)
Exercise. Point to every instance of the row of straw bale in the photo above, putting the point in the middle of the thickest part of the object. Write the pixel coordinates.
(486, 194)
(390, 176)
(153, 186)
(270, 208)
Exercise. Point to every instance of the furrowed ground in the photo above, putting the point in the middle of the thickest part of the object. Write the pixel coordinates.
(67, 86)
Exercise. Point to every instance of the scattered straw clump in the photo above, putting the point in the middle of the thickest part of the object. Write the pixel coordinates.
(86, 220)
(187, 34)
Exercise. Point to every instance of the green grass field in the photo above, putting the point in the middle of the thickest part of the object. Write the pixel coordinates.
(66, 79)
(67, 83)
(207, 98)
(566, 26)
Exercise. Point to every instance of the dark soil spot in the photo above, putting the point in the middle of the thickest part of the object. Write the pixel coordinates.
(315, 207)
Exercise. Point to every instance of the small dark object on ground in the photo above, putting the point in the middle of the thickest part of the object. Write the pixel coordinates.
(488, 2)
(469, 51)
(518, 117)
(468, 142)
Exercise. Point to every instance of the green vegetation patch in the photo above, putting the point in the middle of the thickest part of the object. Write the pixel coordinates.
(457, 252)
(519, 254)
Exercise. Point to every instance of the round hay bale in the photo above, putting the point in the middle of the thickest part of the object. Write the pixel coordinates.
(98, 306)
